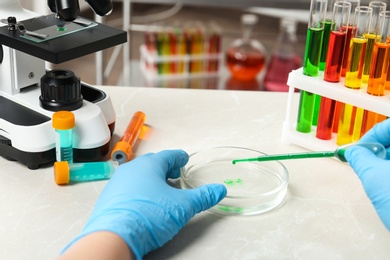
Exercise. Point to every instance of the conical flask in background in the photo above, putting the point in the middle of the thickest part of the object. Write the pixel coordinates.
(246, 56)
(284, 57)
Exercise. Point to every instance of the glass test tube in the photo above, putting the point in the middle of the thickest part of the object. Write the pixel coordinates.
(328, 25)
(357, 50)
(350, 32)
(372, 36)
(311, 61)
(65, 172)
(378, 70)
(369, 120)
(380, 57)
(341, 12)
(350, 119)
(63, 122)
(314, 37)
(337, 41)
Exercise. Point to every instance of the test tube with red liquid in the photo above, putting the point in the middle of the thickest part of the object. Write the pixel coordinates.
(341, 12)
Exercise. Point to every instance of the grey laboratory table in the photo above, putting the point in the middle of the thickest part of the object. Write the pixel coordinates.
(326, 214)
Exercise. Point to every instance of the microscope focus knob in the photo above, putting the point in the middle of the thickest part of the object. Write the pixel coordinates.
(60, 90)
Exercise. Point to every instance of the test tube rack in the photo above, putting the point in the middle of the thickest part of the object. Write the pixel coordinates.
(336, 91)
(150, 60)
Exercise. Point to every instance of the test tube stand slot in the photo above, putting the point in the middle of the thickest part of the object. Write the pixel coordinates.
(336, 91)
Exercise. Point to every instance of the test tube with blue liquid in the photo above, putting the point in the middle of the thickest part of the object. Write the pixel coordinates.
(65, 172)
(311, 62)
(64, 122)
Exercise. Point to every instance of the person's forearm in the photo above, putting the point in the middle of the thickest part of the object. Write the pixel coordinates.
(99, 245)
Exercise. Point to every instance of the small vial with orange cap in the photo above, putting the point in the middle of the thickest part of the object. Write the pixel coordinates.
(65, 172)
(64, 122)
(123, 150)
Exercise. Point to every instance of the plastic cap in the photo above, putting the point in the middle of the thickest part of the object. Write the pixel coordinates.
(249, 19)
(63, 120)
(122, 152)
(61, 172)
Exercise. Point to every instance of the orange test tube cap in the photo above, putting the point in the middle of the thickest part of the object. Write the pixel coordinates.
(61, 172)
(63, 120)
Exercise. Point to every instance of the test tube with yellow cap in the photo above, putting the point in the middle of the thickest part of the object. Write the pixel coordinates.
(124, 148)
(65, 172)
(63, 122)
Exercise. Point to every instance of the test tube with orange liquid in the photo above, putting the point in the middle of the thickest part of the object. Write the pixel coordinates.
(123, 150)
(372, 36)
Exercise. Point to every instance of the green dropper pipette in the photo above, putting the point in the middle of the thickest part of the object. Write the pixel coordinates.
(378, 149)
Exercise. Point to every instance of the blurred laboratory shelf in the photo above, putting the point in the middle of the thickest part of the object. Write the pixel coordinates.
(221, 81)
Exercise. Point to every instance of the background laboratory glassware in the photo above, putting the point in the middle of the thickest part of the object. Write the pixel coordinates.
(372, 36)
(333, 65)
(65, 172)
(246, 56)
(63, 122)
(311, 61)
(284, 57)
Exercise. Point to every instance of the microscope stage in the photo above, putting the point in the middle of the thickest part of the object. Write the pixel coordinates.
(63, 48)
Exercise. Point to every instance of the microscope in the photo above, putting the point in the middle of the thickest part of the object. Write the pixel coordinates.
(30, 93)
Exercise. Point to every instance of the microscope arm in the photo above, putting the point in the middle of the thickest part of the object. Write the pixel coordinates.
(68, 10)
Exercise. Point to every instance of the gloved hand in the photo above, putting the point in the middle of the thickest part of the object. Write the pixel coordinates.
(138, 205)
(374, 172)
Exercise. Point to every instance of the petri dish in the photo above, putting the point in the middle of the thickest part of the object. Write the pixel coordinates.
(252, 187)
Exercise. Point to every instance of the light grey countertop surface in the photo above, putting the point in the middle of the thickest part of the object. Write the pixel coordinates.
(326, 214)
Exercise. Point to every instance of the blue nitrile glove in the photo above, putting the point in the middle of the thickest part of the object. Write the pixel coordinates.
(374, 172)
(141, 207)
